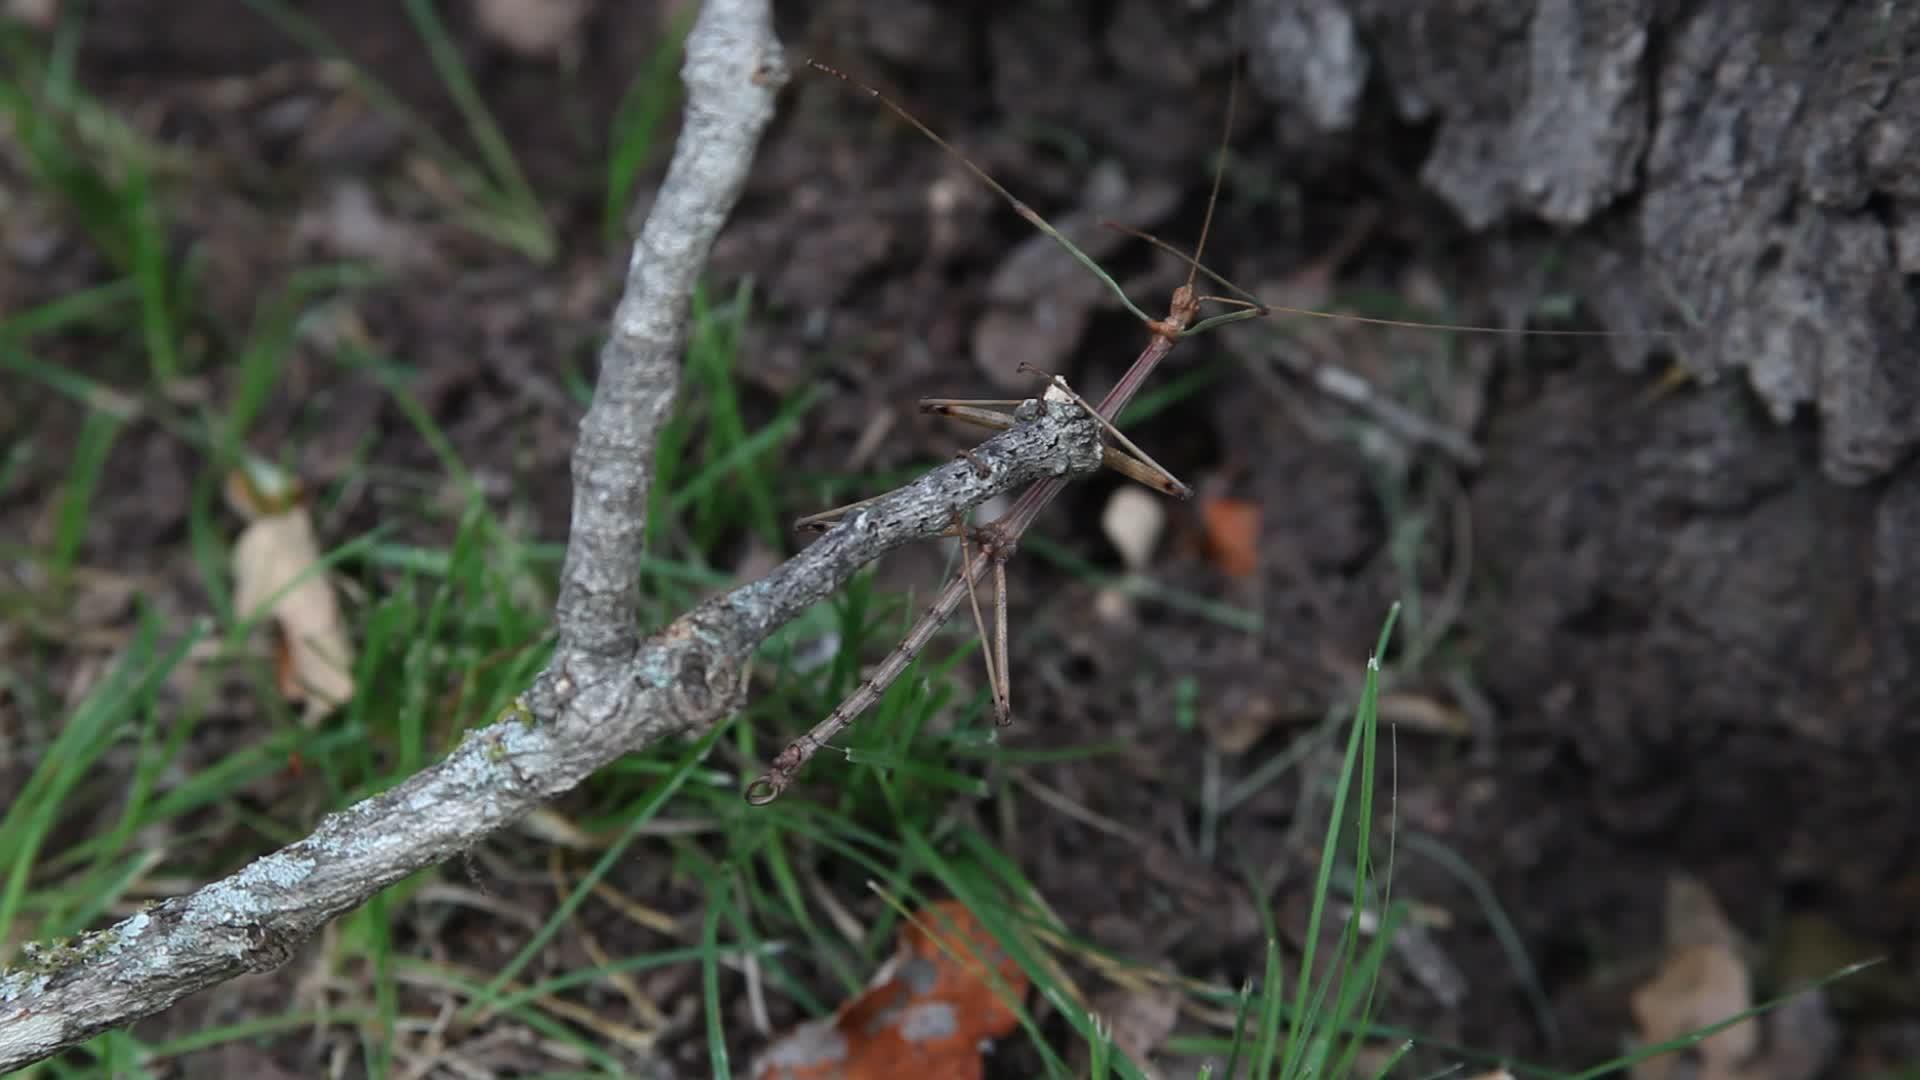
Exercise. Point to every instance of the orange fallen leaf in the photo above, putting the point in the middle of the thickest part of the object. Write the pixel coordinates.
(1233, 534)
(924, 1015)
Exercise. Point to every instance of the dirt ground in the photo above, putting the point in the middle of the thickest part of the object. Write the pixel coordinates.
(1647, 645)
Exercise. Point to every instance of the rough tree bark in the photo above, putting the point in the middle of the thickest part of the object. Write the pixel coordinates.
(1714, 597)
(1747, 173)
(607, 690)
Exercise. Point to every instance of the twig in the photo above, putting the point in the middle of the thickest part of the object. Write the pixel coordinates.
(742, 68)
(680, 680)
(605, 693)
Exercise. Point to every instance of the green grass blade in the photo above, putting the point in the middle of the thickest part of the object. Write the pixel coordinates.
(1393, 1059)
(1267, 1045)
(982, 895)
(710, 984)
(1694, 1038)
(69, 760)
(1303, 1033)
(508, 215)
(75, 512)
(650, 99)
(1243, 1005)
(1504, 930)
(94, 304)
(152, 276)
(510, 182)
(644, 812)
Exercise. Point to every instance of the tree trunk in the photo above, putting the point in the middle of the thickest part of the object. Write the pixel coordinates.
(1744, 175)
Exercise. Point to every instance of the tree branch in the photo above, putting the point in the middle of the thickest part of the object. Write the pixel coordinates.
(732, 70)
(679, 681)
(253, 920)
(606, 692)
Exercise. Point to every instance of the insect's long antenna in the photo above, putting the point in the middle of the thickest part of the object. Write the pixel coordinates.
(1192, 261)
(1031, 215)
(1219, 170)
(1340, 316)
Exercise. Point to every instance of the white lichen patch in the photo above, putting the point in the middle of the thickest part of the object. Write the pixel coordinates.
(238, 899)
(928, 1020)
(14, 984)
(521, 741)
(280, 869)
(809, 1046)
(129, 929)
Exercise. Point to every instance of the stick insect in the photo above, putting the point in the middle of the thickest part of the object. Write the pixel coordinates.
(986, 549)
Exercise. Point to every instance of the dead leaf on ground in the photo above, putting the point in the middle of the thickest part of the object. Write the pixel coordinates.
(1702, 981)
(276, 569)
(925, 1014)
(541, 29)
(1140, 1020)
(1132, 521)
(1233, 534)
(39, 14)
(1240, 720)
(350, 223)
(1422, 712)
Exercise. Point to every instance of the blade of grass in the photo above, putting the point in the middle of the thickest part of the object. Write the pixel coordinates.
(649, 99)
(1504, 931)
(644, 811)
(506, 214)
(710, 983)
(1393, 1059)
(87, 734)
(152, 276)
(1622, 1064)
(1302, 1030)
(1247, 622)
(1243, 1006)
(379, 1037)
(82, 307)
(98, 433)
(1267, 1047)
(983, 898)
(510, 183)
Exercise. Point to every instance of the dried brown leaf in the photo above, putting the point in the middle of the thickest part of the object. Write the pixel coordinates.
(1233, 534)
(1697, 985)
(1421, 712)
(1702, 981)
(350, 223)
(1140, 1021)
(275, 569)
(948, 989)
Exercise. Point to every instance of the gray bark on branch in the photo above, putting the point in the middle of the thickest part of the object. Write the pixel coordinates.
(607, 690)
